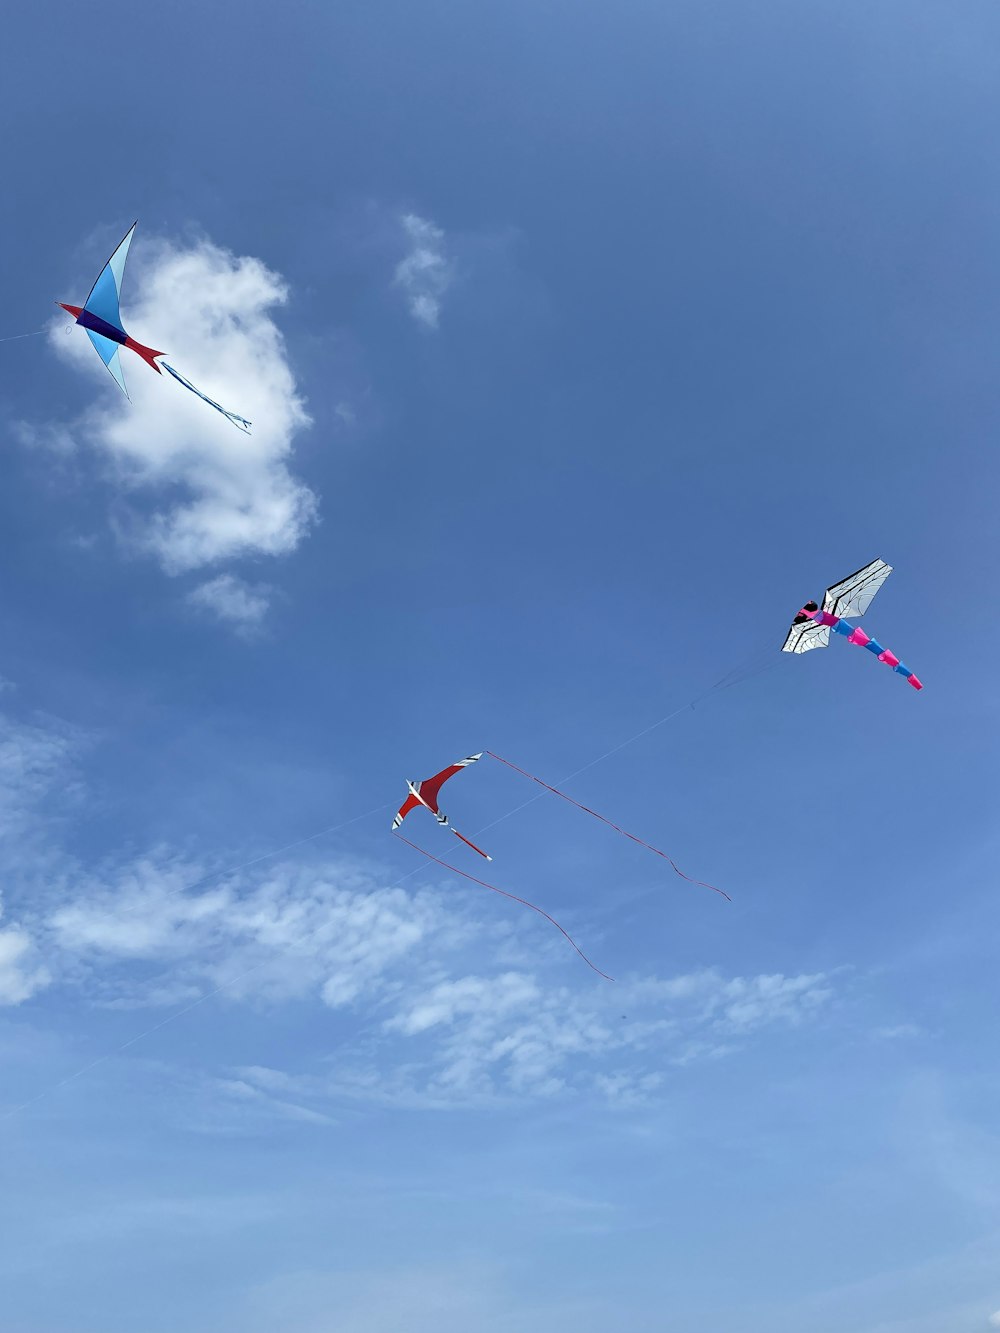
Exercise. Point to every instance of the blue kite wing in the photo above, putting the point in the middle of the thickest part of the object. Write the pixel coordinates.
(105, 295)
(107, 350)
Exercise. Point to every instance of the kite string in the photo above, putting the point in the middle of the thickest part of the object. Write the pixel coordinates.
(503, 892)
(617, 828)
(723, 683)
(14, 337)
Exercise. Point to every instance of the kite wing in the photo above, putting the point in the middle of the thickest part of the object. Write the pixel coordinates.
(409, 804)
(431, 786)
(805, 636)
(108, 352)
(104, 303)
(105, 295)
(851, 597)
(426, 792)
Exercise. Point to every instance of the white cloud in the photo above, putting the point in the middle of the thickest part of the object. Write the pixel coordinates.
(330, 930)
(20, 975)
(212, 312)
(334, 932)
(511, 1031)
(242, 605)
(994, 1320)
(35, 758)
(426, 273)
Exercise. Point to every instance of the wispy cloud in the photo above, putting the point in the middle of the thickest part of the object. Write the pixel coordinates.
(34, 757)
(213, 312)
(21, 975)
(239, 604)
(335, 932)
(426, 273)
(445, 1030)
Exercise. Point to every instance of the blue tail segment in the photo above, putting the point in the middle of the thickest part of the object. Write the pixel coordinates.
(239, 422)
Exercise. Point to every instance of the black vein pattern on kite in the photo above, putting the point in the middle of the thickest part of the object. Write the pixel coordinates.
(847, 600)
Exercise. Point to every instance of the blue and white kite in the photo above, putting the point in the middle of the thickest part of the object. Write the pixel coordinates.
(101, 317)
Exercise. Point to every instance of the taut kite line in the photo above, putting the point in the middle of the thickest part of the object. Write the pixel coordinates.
(100, 315)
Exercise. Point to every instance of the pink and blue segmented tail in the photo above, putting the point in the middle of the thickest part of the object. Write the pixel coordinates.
(855, 634)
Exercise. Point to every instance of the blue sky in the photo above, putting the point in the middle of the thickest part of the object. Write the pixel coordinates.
(582, 342)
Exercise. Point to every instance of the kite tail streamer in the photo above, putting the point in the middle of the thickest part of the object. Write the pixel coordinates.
(504, 894)
(240, 422)
(587, 810)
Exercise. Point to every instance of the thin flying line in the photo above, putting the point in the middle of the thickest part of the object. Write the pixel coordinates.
(13, 338)
(720, 684)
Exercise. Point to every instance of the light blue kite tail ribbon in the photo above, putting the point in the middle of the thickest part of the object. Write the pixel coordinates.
(240, 422)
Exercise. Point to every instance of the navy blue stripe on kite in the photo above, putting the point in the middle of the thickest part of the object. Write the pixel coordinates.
(101, 326)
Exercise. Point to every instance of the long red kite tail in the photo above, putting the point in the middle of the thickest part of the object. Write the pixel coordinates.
(504, 894)
(625, 833)
(462, 838)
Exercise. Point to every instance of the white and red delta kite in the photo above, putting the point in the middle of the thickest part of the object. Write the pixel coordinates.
(426, 794)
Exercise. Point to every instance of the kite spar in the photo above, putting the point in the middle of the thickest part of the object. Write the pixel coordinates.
(100, 315)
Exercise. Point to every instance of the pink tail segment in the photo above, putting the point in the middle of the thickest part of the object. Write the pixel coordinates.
(147, 354)
(462, 838)
(504, 894)
(624, 832)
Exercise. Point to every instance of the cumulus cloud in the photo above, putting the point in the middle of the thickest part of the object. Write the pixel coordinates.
(241, 605)
(426, 273)
(202, 492)
(994, 1320)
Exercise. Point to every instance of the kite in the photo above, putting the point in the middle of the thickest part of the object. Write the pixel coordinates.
(426, 794)
(848, 599)
(101, 318)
